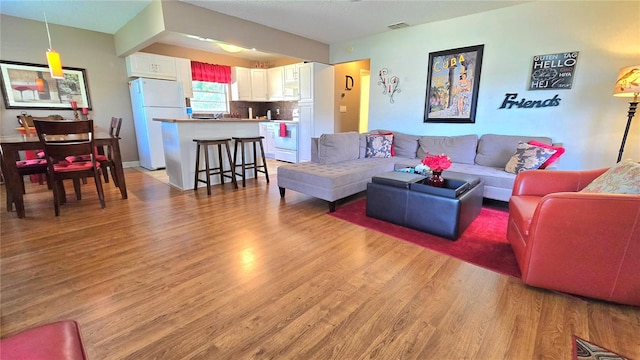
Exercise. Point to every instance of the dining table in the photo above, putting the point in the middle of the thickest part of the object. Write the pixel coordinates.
(11, 146)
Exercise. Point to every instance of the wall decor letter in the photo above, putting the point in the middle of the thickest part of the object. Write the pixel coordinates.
(510, 101)
(348, 80)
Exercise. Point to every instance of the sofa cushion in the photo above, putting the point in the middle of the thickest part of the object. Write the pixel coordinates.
(623, 178)
(404, 145)
(496, 150)
(528, 157)
(379, 145)
(334, 148)
(334, 181)
(460, 149)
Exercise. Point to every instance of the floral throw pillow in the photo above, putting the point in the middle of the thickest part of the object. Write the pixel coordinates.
(379, 146)
(528, 157)
(623, 178)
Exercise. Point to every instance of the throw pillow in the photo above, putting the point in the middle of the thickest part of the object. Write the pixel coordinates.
(527, 157)
(393, 150)
(379, 146)
(559, 151)
(623, 178)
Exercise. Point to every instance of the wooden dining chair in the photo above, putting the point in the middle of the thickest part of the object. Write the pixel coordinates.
(61, 139)
(104, 155)
(25, 167)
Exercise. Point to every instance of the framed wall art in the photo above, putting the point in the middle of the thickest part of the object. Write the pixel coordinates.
(453, 81)
(30, 86)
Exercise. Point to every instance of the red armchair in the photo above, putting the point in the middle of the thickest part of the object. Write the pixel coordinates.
(586, 244)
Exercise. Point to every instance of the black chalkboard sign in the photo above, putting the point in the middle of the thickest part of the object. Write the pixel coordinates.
(553, 71)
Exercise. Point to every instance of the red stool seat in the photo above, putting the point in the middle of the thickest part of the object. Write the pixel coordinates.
(60, 341)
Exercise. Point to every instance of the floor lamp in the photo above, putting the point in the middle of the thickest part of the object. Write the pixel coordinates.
(628, 85)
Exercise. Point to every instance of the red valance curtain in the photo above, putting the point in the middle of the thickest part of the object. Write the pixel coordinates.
(209, 72)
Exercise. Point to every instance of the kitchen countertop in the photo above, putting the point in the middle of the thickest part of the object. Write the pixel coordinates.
(208, 120)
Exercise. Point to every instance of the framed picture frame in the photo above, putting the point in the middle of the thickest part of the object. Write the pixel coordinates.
(30, 86)
(453, 80)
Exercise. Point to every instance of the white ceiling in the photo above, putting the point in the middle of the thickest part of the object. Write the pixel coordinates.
(326, 21)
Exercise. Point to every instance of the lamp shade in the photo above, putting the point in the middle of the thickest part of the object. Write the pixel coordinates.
(628, 82)
(55, 65)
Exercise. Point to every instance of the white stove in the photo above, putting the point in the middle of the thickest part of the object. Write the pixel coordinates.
(287, 145)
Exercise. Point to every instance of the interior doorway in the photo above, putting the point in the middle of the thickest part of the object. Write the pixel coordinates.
(365, 80)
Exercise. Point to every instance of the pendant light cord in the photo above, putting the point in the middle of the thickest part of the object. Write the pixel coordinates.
(47, 25)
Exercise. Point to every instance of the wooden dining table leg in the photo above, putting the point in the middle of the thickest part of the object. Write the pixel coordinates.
(12, 180)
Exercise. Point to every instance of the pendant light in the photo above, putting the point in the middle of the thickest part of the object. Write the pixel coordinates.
(53, 58)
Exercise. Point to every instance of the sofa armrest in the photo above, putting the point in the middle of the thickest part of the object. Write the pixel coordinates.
(543, 182)
(591, 240)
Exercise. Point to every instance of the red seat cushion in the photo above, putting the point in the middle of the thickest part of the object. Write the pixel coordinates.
(66, 166)
(22, 164)
(60, 340)
(86, 158)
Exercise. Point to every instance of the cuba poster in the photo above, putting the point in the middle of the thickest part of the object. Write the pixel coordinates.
(453, 81)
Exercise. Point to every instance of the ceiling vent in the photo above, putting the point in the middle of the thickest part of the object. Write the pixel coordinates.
(399, 25)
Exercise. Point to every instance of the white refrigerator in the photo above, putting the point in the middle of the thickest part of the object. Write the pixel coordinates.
(152, 98)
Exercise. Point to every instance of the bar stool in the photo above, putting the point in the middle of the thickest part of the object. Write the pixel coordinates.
(210, 171)
(253, 165)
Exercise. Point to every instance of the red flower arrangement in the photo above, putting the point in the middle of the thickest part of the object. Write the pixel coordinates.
(437, 162)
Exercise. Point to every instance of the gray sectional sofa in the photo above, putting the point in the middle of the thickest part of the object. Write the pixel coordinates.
(339, 167)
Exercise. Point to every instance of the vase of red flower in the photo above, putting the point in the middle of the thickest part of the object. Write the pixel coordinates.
(437, 164)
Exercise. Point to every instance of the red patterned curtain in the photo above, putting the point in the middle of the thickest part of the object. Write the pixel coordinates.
(209, 72)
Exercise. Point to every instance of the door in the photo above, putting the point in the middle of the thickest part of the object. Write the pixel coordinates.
(276, 84)
(162, 93)
(304, 131)
(259, 84)
(305, 76)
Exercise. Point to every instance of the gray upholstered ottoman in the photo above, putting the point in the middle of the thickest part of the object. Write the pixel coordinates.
(405, 200)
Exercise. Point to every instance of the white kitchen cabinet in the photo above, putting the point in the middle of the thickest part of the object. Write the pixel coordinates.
(304, 131)
(275, 77)
(291, 73)
(183, 74)
(305, 80)
(268, 134)
(259, 85)
(317, 108)
(241, 84)
(151, 66)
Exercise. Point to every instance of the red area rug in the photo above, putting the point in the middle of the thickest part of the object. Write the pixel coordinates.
(483, 243)
(584, 350)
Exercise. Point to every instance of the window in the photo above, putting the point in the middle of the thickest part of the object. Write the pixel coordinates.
(209, 97)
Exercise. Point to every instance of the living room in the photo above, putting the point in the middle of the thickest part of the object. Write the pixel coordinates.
(241, 274)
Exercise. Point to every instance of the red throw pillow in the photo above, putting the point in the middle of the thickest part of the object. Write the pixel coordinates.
(559, 151)
(393, 150)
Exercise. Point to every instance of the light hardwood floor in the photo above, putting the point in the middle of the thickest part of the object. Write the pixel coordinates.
(243, 274)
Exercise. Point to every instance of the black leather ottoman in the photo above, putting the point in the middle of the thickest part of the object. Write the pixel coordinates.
(406, 200)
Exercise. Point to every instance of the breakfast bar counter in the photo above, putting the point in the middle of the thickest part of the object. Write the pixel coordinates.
(180, 149)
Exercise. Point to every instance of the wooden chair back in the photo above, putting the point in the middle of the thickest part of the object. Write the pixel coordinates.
(114, 129)
(58, 145)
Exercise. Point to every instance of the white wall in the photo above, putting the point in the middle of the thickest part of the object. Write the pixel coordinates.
(589, 121)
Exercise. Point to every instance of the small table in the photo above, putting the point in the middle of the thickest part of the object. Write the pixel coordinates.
(405, 199)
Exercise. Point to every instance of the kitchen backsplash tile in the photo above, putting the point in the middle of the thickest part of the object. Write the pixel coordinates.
(260, 109)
